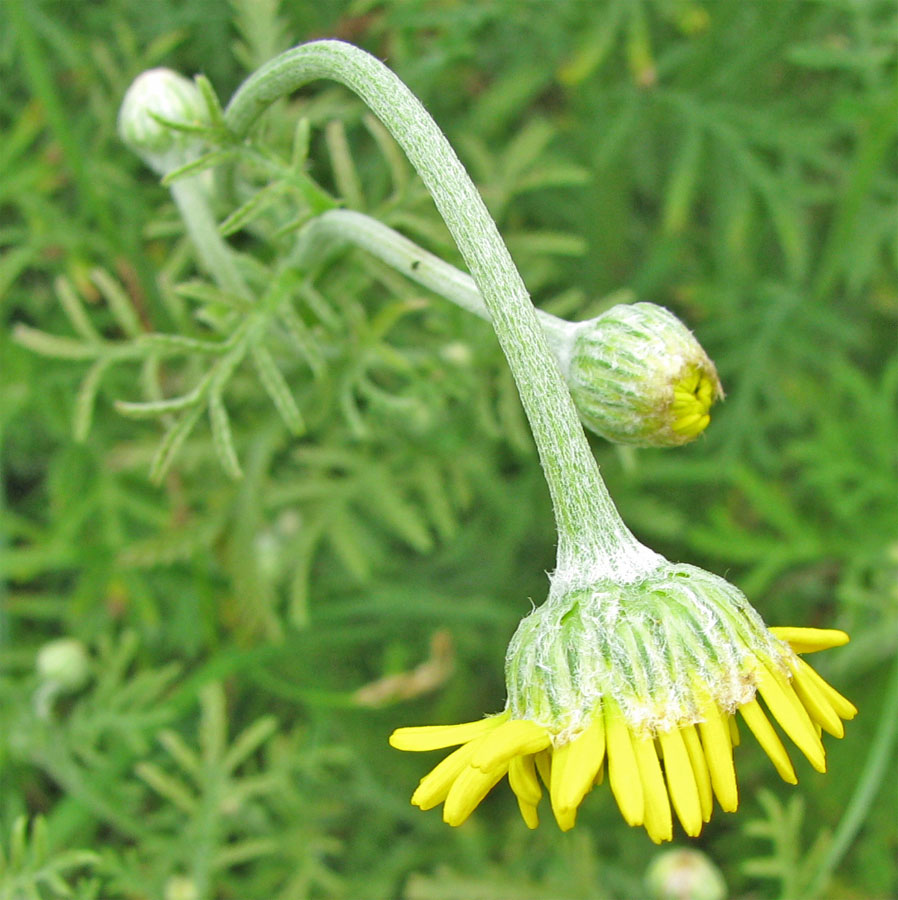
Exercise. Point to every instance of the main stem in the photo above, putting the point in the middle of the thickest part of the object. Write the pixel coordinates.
(593, 541)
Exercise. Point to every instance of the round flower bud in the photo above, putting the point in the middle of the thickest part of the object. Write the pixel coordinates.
(64, 663)
(684, 875)
(161, 94)
(638, 376)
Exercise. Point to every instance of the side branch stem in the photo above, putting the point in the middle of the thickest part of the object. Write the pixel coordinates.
(338, 227)
(593, 540)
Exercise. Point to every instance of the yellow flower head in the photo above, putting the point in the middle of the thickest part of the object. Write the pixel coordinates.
(638, 376)
(642, 681)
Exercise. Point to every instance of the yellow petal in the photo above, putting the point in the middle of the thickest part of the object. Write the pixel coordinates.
(471, 786)
(575, 766)
(845, 708)
(719, 754)
(511, 738)
(810, 640)
(523, 781)
(768, 739)
(434, 787)
(792, 716)
(658, 820)
(435, 737)
(689, 424)
(623, 772)
(528, 814)
(681, 782)
(543, 761)
(699, 770)
(734, 731)
(815, 702)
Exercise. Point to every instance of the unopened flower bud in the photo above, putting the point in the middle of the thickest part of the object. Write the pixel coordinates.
(64, 663)
(161, 94)
(180, 887)
(638, 376)
(684, 875)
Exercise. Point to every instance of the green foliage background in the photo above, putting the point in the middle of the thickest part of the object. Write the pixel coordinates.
(733, 160)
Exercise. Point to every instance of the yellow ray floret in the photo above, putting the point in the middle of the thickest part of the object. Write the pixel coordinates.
(719, 754)
(575, 766)
(845, 708)
(434, 787)
(436, 737)
(786, 708)
(658, 821)
(810, 640)
(523, 781)
(471, 786)
(623, 772)
(699, 770)
(768, 739)
(515, 737)
(681, 781)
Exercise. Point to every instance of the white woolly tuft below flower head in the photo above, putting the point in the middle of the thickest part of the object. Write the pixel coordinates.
(155, 97)
(638, 376)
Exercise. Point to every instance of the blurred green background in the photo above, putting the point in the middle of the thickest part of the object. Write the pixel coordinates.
(240, 649)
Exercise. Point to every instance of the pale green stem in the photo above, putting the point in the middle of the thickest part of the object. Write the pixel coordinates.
(215, 255)
(337, 227)
(593, 541)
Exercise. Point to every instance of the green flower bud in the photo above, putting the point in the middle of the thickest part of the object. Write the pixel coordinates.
(64, 664)
(162, 94)
(684, 875)
(638, 376)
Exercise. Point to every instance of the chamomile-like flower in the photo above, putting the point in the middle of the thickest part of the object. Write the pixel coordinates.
(642, 683)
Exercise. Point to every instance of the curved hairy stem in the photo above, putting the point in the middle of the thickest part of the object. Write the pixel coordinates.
(338, 227)
(593, 540)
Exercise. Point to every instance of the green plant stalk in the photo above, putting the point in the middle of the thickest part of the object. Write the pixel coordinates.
(337, 227)
(593, 541)
(215, 255)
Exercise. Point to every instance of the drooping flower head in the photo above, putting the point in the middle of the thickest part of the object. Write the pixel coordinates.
(640, 682)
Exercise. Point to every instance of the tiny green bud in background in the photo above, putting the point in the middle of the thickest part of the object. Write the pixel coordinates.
(684, 875)
(155, 97)
(64, 663)
(63, 667)
(180, 887)
(638, 376)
